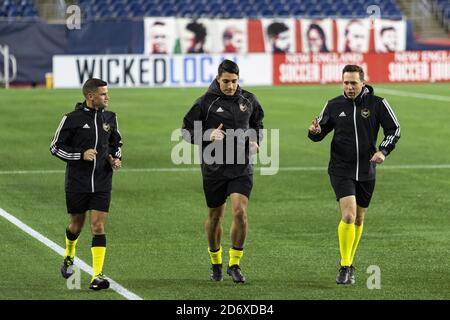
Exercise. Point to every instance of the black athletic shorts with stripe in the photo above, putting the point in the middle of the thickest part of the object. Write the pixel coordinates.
(362, 190)
(217, 190)
(77, 202)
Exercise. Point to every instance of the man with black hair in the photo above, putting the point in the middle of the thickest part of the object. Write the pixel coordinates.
(227, 123)
(355, 117)
(388, 37)
(278, 34)
(196, 38)
(88, 139)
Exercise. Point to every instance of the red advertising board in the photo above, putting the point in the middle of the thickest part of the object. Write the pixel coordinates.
(407, 66)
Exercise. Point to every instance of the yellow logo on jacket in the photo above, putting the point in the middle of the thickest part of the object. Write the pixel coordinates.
(365, 113)
(243, 107)
(106, 127)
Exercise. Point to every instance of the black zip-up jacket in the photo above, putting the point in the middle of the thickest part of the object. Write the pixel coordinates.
(356, 124)
(84, 129)
(240, 111)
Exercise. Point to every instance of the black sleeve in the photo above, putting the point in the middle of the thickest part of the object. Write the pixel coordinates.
(115, 140)
(391, 128)
(256, 120)
(61, 143)
(326, 124)
(195, 114)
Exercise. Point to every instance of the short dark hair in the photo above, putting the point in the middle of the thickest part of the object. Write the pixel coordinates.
(228, 66)
(92, 85)
(383, 30)
(354, 68)
(199, 30)
(276, 28)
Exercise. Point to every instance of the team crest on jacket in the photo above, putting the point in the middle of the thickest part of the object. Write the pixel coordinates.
(106, 127)
(365, 113)
(243, 107)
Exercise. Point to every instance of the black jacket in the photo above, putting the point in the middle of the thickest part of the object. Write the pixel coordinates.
(84, 129)
(356, 124)
(240, 111)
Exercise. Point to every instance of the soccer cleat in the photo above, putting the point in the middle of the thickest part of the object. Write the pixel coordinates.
(216, 272)
(99, 282)
(352, 274)
(345, 275)
(67, 267)
(235, 272)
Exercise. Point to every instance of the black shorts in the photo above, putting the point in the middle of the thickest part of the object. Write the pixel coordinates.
(217, 190)
(362, 190)
(81, 202)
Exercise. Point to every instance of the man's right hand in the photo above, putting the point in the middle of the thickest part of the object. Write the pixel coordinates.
(315, 127)
(89, 154)
(217, 134)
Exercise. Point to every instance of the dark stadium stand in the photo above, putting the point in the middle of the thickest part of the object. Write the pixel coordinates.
(442, 9)
(18, 9)
(236, 8)
(220, 8)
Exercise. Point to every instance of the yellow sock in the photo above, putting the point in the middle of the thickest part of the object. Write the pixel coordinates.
(235, 256)
(70, 248)
(346, 233)
(358, 233)
(98, 257)
(216, 257)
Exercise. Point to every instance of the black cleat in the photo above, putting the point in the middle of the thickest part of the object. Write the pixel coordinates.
(345, 276)
(235, 272)
(67, 267)
(216, 272)
(99, 282)
(352, 275)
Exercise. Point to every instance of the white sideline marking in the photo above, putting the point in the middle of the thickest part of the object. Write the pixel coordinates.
(414, 94)
(59, 250)
(197, 169)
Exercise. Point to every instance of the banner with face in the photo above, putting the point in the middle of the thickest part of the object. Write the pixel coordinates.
(317, 35)
(353, 35)
(390, 35)
(160, 35)
(279, 35)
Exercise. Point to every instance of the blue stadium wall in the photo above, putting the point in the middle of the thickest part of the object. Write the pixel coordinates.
(35, 43)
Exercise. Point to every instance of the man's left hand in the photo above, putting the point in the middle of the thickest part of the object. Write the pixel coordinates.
(115, 163)
(378, 157)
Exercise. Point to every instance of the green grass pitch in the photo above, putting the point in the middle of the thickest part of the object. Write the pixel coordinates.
(156, 243)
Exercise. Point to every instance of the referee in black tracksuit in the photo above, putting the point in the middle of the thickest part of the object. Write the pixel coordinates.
(356, 117)
(88, 139)
(226, 156)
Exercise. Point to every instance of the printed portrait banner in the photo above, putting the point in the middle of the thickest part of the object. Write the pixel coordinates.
(317, 35)
(167, 35)
(230, 36)
(353, 35)
(196, 35)
(279, 35)
(390, 35)
(160, 35)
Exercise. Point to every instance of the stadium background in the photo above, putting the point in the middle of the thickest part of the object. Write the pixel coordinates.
(156, 245)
